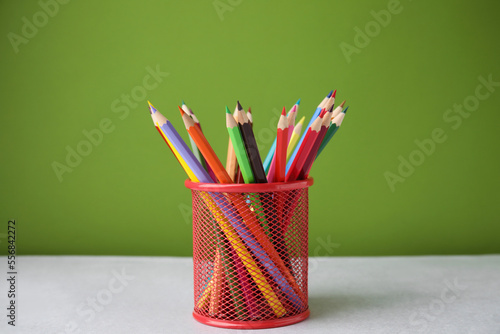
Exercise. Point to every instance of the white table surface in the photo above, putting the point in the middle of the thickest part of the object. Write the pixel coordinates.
(433, 294)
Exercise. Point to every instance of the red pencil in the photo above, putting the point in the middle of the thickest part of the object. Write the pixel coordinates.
(281, 146)
(304, 149)
(304, 173)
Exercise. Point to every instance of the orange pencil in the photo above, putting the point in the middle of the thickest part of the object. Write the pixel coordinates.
(205, 149)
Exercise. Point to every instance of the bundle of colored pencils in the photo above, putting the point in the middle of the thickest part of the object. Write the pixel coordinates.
(250, 250)
(290, 158)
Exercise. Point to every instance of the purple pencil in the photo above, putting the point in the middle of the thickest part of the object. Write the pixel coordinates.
(173, 136)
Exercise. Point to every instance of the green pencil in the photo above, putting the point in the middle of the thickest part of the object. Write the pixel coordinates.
(336, 122)
(239, 148)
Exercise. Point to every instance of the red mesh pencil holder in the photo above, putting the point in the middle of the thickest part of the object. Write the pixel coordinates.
(250, 253)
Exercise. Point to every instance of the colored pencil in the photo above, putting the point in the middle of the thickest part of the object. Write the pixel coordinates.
(251, 146)
(292, 115)
(196, 152)
(304, 149)
(231, 160)
(320, 107)
(194, 148)
(184, 166)
(215, 294)
(176, 143)
(281, 146)
(269, 157)
(290, 123)
(239, 148)
(314, 150)
(239, 176)
(205, 295)
(338, 110)
(205, 149)
(330, 102)
(336, 122)
(295, 137)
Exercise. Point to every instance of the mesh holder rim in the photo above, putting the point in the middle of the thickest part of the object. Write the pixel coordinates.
(250, 254)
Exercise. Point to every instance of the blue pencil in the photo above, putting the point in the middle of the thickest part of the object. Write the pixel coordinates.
(315, 115)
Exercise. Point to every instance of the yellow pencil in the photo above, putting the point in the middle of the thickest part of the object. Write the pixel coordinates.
(295, 137)
(186, 168)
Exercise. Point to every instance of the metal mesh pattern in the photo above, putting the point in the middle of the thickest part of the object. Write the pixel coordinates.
(250, 254)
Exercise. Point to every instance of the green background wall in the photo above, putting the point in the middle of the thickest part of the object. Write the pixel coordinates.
(127, 195)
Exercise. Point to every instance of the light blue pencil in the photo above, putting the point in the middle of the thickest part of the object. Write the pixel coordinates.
(315, 115)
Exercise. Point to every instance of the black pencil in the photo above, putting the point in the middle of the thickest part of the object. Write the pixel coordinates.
(251, 146)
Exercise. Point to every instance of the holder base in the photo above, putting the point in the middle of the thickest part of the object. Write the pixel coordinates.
(252, 324)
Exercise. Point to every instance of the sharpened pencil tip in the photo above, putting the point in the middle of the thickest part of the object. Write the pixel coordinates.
(329, 94)
(298, 102)
(334, 93)
(227, 110)
(151, 108)
(342, 104)
(182, 111)
(283, 112)
(183, 103)
(239, 105)
(345, 110)
(249, 110)
(323, 112)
